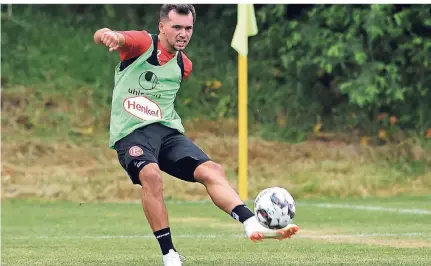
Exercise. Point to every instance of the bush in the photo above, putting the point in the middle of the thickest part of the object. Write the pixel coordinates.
(311, 67)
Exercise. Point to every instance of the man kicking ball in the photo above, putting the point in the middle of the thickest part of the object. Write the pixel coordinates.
(148, 134)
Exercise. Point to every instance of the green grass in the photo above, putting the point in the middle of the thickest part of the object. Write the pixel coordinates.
(67, 233)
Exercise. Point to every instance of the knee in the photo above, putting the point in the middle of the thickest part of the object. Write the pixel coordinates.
(210, 172)
(151, 179)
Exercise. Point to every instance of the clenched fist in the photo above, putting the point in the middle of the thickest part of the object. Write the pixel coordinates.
(111, 40)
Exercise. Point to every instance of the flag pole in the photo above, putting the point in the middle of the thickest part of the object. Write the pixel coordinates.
(246, 26)
(242, 127)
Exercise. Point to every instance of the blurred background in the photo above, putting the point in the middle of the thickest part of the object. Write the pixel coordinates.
(339, 100)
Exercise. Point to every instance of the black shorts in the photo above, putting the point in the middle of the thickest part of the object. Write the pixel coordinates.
(175, 154)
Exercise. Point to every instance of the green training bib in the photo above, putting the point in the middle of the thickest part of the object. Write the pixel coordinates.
(144, 93)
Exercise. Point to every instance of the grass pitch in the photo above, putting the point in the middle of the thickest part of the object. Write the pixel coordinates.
(393, 231)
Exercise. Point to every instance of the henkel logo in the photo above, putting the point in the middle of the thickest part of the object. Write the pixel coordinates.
(142, 108)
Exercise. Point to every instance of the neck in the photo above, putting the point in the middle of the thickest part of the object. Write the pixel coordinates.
(165, 44)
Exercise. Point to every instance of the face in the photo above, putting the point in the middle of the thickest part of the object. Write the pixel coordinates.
(177, 29)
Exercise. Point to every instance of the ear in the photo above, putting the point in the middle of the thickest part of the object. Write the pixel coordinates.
(161, 28)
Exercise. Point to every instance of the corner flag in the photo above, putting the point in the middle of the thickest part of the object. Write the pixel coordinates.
(246, 26)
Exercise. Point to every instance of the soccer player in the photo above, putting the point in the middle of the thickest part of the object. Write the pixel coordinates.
(148, 134)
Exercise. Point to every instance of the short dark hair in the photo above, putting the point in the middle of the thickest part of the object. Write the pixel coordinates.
(179, 8)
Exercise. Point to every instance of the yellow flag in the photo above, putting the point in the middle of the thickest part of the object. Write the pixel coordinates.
(245, 27)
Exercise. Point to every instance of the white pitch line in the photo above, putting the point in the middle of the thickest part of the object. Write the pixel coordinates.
(328, 206)
(333, 206)
(369, 235)
(210, 236)
(367, 208)
(319, 205)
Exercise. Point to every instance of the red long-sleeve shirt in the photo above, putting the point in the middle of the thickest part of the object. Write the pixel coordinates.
(138, 42)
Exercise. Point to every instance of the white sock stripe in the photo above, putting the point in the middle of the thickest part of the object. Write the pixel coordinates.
(165, 234)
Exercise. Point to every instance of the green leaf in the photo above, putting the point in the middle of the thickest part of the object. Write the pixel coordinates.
(360, 57)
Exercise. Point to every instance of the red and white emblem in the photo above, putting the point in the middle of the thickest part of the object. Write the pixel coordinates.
(135, 151)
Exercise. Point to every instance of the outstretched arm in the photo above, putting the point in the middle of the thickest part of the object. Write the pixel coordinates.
(109, 38)
(130, 43)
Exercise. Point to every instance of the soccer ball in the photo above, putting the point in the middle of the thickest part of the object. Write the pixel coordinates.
(274, 207)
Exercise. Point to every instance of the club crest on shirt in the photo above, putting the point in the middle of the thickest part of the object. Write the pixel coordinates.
(136, 151)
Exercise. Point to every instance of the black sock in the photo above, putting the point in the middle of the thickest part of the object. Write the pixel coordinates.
(241, 213)
(165, 240)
